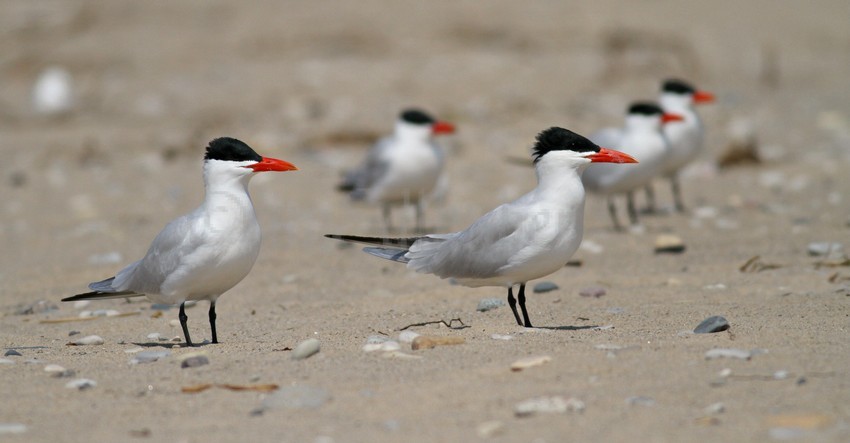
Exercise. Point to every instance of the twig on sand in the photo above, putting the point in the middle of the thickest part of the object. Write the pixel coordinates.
(448, 324)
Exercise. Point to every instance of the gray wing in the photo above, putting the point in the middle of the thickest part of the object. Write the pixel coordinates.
(481, 251)
(370, 172)
(167, 251)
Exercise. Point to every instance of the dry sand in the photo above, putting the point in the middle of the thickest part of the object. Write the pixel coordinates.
(83, 194)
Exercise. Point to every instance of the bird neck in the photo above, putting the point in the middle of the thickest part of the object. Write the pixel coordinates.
(411, 132)
(676, 103)
(226, 186)
(559, 180)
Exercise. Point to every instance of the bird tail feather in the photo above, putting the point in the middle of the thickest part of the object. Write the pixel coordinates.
(383, 242)
(397, 255)
(102, 290)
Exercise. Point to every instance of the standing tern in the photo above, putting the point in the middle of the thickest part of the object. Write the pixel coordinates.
(685, 136)
(200, 255)
(641, 137)
(519, 241)
(403, 168)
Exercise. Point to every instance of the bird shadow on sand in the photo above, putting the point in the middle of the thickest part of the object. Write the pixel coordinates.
(179, 345)
(567, 328)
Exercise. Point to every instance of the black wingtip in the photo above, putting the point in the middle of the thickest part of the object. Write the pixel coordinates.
(96, 295)
(397, 243)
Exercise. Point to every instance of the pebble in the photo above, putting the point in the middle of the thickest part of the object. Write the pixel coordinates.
(490, 428)
(715, 287)
(715, 408)
(502, 337)
(530, 362)
(81, 384)
(715, 323)
(296, 397)
(544, 286)
(89, 340)
(826, 249)
(53, 91)
(554, 404)
(742, 354)
(12, 428)
(6, 361)
(306, 349)
(99, 313)
(781, 374)
(12, 352)
(407, 336)
(156, 336)
(426, 342)
(194, 361)
(592, 291)
(670, 244)
(640, 400)
(149, 356)
(488, 304)
(376, 339)
(37, 307)
(73, 333)
(58, 371)
(706, 212)
(80, 304)
(387, 346)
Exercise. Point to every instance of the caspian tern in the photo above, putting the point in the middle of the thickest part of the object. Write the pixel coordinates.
(519, 241)
(403, 168)
(201, 255)
(685, 136)
(641, 137)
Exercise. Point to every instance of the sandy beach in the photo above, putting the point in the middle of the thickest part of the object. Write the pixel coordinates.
(84, 191)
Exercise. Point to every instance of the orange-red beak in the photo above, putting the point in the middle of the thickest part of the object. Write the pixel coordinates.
(606, 155)
(667, 118)
(272, 164)
(442, 128)
(703, 97)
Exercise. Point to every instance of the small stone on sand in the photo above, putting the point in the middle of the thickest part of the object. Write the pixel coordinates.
(715, 323)
(489, 304)
(530, 362)
(670, 244)
(306, 349)
(544, 286)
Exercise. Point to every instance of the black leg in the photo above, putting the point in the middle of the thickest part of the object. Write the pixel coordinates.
(612, 209)
(212, 322)
(512, 304)
(630, 205)
(677, 193)
(521, 297)
(650, 199)
(182, 316)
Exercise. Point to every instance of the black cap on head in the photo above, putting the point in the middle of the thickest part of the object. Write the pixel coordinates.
(417, 117)
(230, 149)
(560, 139)
(677, 86)
(645, 108)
